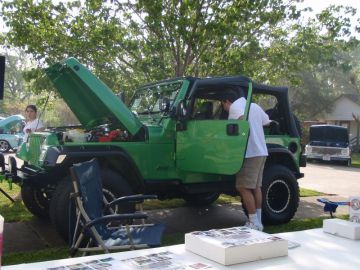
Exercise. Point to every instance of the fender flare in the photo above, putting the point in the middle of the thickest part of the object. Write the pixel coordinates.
(282, 155)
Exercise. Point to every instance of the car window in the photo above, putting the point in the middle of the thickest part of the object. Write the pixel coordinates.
(266, 102)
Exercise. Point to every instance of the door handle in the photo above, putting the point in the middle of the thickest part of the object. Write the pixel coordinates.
(232, 129)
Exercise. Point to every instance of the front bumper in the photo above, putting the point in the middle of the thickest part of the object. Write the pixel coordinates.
(11, 170)
(327, 157)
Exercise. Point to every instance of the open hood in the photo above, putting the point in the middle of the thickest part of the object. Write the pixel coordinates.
(328, 134)
(89, 98)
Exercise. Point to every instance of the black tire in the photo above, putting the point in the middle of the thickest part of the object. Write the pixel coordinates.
(201, 199)
(114, 186)
(59, 208)
(37, 201)
(280, 191)
(346, 163)
(4, 146)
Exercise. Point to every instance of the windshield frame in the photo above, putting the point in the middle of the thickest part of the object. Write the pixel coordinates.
(146, 99)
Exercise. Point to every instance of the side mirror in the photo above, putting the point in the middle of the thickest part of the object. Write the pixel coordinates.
(164, 104)
(181, 111)
(181, 114)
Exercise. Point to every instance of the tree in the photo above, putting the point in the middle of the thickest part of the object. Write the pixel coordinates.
(16, 89)
(126, 43)
(315, 61)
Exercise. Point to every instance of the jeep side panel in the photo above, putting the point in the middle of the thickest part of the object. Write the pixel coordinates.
(212, 146)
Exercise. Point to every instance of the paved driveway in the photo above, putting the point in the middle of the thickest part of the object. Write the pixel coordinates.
(331, 179)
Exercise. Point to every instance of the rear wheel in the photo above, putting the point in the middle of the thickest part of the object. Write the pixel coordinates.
(4, 146)
(114, 186)
(346, 162)
(201, 199)
(36, 200)
(280, 193)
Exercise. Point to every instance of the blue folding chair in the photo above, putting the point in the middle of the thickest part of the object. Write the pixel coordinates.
(95, 231)
(330, 206)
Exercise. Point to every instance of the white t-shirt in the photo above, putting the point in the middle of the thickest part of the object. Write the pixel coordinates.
(257, 119)
(33, 126)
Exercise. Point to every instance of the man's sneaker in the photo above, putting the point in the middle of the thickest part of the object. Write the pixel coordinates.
(253, 226)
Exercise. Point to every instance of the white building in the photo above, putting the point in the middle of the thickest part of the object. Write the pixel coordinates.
(345, 109)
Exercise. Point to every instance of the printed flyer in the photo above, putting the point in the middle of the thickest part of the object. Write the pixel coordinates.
(163, 261)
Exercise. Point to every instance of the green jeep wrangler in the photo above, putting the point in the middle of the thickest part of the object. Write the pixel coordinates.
(173, 139)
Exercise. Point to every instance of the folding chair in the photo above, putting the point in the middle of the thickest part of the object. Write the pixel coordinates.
(97, 230)
(330, 206)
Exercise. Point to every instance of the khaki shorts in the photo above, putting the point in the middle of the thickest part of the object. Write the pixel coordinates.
(250, 175)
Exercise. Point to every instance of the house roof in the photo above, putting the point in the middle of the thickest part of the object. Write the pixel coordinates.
(343, 109)
(353, 97)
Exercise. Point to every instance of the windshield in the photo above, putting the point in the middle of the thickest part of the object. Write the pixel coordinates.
(147, 99)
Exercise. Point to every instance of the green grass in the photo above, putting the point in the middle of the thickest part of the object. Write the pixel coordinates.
(14, 212)
(17, 212)
(304, 192)
(355, 160)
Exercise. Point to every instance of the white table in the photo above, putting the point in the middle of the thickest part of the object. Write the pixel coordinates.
(318, 251)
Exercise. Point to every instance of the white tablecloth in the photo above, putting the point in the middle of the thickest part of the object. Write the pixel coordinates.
(318, 251)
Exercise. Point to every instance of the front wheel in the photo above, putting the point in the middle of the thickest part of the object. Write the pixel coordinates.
(346, 163)
(4, 146)
(280, 191)
(36, 200)
(114, 186)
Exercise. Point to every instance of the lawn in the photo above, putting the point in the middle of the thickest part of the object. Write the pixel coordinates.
(17, 212)
(13, 212)
(355, 160)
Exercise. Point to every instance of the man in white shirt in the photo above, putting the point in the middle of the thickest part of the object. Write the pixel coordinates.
(249, 178)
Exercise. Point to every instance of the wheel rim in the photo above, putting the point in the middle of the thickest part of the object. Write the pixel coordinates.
(4, 146)
(276, 200)
(41, 198)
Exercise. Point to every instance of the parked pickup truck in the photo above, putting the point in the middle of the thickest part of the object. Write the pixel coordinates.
(328, 143)
(173, 139)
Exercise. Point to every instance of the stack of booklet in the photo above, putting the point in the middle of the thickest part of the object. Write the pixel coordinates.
(235, 245)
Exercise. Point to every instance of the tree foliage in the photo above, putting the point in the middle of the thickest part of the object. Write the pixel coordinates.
(126, 43)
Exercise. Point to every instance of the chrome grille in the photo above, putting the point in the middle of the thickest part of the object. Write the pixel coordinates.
(326, 150)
